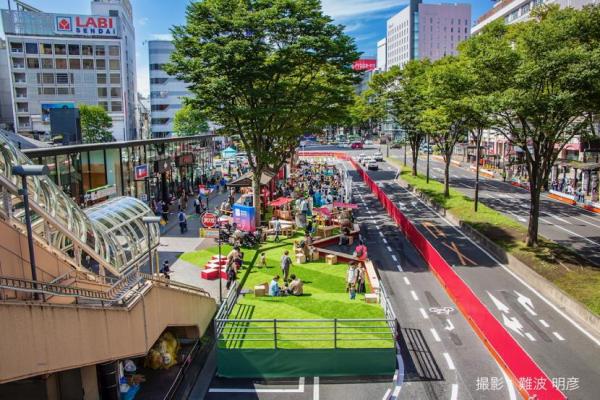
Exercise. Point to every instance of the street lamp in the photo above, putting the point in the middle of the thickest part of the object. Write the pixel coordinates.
(428, 151)
(24, 171)
(220, 265)
(148, 220)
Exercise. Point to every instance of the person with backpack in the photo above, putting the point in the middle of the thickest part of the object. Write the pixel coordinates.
(181, 217)
(166, 270)
(361, 251)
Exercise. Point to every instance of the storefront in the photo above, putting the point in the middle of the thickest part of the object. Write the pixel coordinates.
(169, 164)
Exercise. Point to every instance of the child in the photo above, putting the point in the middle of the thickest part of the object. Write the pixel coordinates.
(263, 260)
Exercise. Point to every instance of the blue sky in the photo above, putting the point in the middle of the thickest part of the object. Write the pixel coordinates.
(364, 20)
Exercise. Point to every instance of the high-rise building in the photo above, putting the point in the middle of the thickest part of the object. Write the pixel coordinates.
(422, 31)
(518, 10)
(166, 92)
(62, 60)
(382, 54)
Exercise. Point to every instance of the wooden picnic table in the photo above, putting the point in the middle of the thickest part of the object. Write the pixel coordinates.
(326, 230)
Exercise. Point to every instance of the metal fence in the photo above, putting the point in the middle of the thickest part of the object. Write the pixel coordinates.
(305, 333)
(226, 307)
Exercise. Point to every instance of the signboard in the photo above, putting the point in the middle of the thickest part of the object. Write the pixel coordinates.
(244, 217)
(209, 233)
(101, 192)
(365, 64)
(85, 25)
(141, 172)
(186, 159)
(46, 107)
(163, 166)
(209, 220)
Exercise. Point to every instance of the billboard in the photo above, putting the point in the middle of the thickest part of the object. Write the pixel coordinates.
(365, 64)
(141, 172)
(244, 217)
(85, 25)
(46, 107)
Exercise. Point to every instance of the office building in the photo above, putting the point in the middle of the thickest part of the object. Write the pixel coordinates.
(382, 54)
(422, 31)
(166, 92)
(62, 60)
(513, 11)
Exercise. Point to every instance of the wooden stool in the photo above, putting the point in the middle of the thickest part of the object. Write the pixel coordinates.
(371, 298)
(300, 258)
(331, 259)
(260, 290)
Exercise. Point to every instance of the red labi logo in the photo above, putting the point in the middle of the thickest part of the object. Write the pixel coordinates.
(64, 24)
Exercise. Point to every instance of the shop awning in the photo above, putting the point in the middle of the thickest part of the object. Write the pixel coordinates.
(345, 205)
(281, 201)
(229, 152)
(246, 179)
(323, 211)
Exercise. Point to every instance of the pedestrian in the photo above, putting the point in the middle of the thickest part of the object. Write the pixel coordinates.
(361, 251)
(351, 277)
(181, 217)
(165, 211)
(286, 263)
(263, 260)
(274, 289)
(198, 205)
(231, 276)
(276, 228)
(166, 270)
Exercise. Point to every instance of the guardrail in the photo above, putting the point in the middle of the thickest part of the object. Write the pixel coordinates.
(284, 333)
(226, 307)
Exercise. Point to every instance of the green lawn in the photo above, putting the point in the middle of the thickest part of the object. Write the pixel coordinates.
(324, 298)
(560, 265)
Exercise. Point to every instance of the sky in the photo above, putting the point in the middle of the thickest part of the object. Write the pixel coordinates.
(365, 20)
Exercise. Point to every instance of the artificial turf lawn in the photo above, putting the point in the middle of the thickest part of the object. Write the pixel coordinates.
(560, 265)
(324, 297)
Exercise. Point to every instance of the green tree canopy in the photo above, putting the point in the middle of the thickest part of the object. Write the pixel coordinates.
(95, 124)
(266, 70)
(189, 121)
(367, 111)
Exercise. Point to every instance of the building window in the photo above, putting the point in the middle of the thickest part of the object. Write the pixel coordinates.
(156, 67)
(47, 63)
(103, 104)
(88, 64)
(74, 50)
(60, 49)
(100, 51)
(114, 65)
(101, 64)
(16, 47)
(60, 63)
(158, 81)
(21, 92)
(33, 63)
(115, 92)
(102, 92)
(48, 78)
(20, 78)
(46, 48)
(18, 63)
(101, 78)
(62, 78)
(63, 91)
(113, 50)
(87, 50)
(115, 78)
(49, 91)
(31, 48)
(74, 63)
(116, 106)
(22, 107)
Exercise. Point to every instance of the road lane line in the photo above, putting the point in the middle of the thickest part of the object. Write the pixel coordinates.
(424, 313)
(380, 233)
(586, 222)
(399, 267)
(557, 335)
(389, 249)
(556, 217)
(406, 281)
(385, 241)
(569, 231)
(449, 361)
(544, 323)
(414, 295)
(454, 393)
(435, 335)
(394, 258)
(316, 388)
(530, 336)
(254, 390)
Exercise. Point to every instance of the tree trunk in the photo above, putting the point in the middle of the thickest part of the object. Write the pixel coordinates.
(256, 196)
(478, 144)
(415, 160)
(447, 176)
(534, 214)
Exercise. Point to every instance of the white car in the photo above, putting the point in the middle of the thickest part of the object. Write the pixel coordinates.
(378, 156)
(373, 166)
(368, 142)
(368, 160)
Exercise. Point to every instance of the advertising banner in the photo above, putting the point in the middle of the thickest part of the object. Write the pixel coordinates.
(46, 107)
(141, 172)
(85, 25)
(244, 217)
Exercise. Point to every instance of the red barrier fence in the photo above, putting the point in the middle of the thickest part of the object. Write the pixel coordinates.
(505, 349)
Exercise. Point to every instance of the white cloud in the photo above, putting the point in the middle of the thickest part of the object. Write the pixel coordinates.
(350, 8)
(142, 21)
(353, 27)
(161, 36)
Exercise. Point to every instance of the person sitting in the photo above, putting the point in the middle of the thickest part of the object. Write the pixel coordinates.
(344, 237)
(274, 289)
(296, 287)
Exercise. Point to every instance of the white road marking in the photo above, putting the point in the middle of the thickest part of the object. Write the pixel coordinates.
(424, 313)
(380, 233)
(518, 217)
(526, 303)
(511, 388)
(538, 294)
(556, 217)
(530, 336)
(499, 305)
(435, 335)
(406, 281)
(386, 396)
(454, 392)
(544, 323)
(316, 388)
(450, 326)
(254, 390)
(396, 392)
(394, 258)
(414, 295)
(389, 249)
(385, 241)
(377, 226)
(586, 222)
(399, 267)
(449, 361)
(569, 231)
(557, 335)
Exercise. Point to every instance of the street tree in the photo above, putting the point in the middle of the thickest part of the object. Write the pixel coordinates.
(367, 111)
(548, 89)
(189, 121)
(95, 124)
(445, 119)
(402, 92)
(267, 71)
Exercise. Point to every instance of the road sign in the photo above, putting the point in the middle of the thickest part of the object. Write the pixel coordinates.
(209, 220)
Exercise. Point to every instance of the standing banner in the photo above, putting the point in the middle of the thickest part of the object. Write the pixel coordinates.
(244, 217)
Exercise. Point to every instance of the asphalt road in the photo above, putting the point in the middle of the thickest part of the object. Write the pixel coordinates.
(565, 224)
(563, 349)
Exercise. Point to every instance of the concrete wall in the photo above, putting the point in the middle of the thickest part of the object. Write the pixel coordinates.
(42, 338)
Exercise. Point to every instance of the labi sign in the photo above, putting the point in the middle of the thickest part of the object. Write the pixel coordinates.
(85, 25)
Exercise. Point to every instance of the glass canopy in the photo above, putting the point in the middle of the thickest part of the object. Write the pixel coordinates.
(113, 230)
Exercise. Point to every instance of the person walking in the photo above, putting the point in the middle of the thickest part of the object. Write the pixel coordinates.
(277, 228)
(182, 218)
(286, 263)
(351, 277)
(166, 270)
